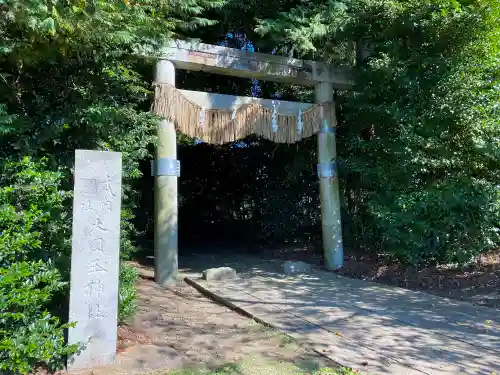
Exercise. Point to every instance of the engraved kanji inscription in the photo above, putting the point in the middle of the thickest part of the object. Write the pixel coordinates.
(106, 206)
(96, 311)
(99, 224)
(99, 188)
(94, 294)
(97, 245)
(107, 185)
(95, 266)
(94, 288)
(86, 205)
(95, 228)
(87, 231)
(90, 187)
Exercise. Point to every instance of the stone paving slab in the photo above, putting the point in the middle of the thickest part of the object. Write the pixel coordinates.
(371, 327)
(478, 325)
(337, 348)
(481, 330)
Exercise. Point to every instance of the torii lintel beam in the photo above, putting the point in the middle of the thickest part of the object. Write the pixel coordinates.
(232, 62)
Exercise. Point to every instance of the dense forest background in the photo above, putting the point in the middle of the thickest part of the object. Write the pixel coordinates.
(418, 140)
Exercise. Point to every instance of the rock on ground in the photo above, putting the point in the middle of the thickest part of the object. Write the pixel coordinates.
(294, 268)
(220, 273)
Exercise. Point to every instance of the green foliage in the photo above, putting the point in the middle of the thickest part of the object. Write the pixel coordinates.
(34, 214)
(418, 140)
(34, 238)
(339, 371)
(234, 369)
(127, 292)
(77, 82)
(71, 78)
(30, 334)
(114, 26)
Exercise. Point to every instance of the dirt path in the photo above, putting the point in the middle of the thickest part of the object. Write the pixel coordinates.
(179, 329)
(192, 331)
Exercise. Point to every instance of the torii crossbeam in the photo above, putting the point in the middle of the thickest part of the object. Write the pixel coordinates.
(232, 62)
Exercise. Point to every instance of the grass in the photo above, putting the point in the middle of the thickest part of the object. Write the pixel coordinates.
(284, 339)
(342, 371)
(233, 369)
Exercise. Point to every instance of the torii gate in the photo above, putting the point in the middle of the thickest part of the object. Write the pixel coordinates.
(232, 62)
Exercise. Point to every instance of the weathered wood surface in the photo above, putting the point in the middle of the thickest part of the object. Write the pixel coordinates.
(166, 247)
(233, 62)
(329, 191)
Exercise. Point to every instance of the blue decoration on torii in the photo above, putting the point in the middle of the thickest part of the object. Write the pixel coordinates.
(240, 41)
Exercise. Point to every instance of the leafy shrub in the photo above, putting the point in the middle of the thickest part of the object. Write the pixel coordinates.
(419, 137)
(34, 239)
(127, 292)
(35, 251)
(449, 222)
(30, 334)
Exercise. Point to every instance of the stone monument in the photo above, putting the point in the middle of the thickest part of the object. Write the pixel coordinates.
(95, 257)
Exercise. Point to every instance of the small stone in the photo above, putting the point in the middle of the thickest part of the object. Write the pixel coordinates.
(295, 268)
(220, 273)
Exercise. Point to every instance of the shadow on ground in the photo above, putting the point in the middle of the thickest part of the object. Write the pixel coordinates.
(188, 330)
(418, 330)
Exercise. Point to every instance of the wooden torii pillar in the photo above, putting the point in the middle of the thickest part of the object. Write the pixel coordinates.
(232, 62)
